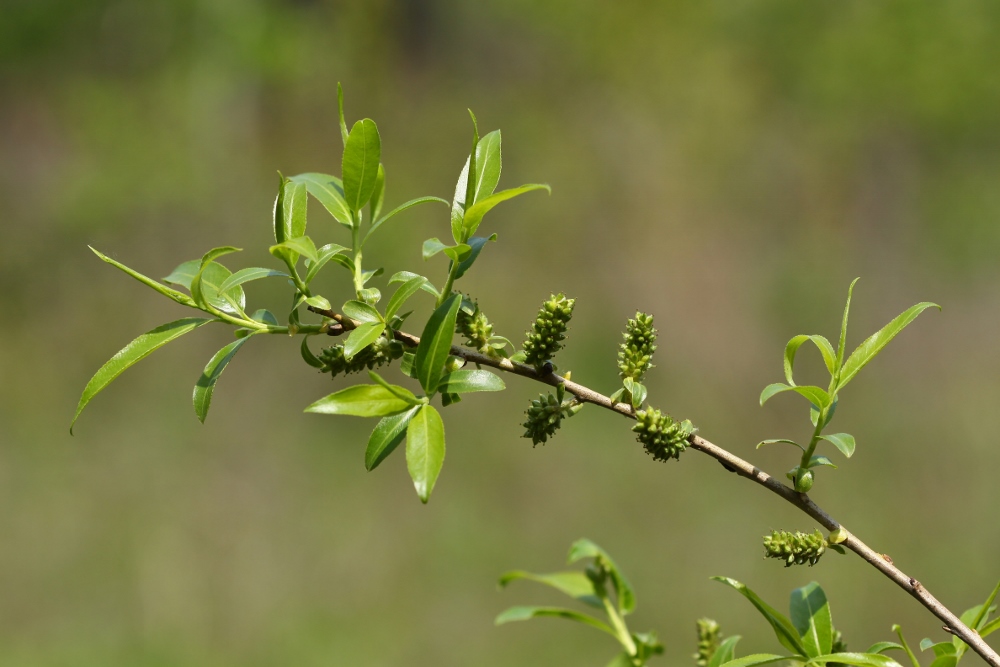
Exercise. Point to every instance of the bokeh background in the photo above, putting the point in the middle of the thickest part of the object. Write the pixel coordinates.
(727, 166)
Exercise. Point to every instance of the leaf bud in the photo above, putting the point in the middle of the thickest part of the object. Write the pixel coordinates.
(837, 536)
(803, 480)
(662, 437)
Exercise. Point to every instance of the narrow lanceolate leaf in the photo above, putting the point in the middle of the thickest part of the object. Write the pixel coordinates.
(458, 203)
(470, 191)
(815, 395)
(396, 390)
(756, 659)
(247, 275)
(488, 165)
(527, 613)
(821, 343)
(474, 215)
(328, 191)
(425, 450)
(777, 440)
(843, 325)
(874, 344)
(323, 255)
(405, 291)
(293, 247)
(435, 344)
(842, 441)
(340, 112)
(586, 549)
(362, 337)
(786, 633)
(362, 155)
(361, 311)
(173, 294)
(386, 436)
(464, 382)
(138, 349)
(362, 400)
(858, 660)
(378, 194)
(205, 386)
(294, 202)
(725, 652)
(399, 209)
(403, 276)
(810, 614)
(476, 243)
(574, 584)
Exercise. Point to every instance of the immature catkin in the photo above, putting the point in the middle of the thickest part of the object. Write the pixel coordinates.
(545, 415)
(795, 548)
(663, 437)
(476, 328)
(635, 355)
(548, 330)
(708, 641)
(839, 645)
(379, 353)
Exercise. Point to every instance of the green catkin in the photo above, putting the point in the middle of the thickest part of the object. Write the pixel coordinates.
(635, 355)
(708, 641)
(839, 645)
(662, 437)
(795, 548)
(548, 330)
(379, 353)
(545, 415)
(476, 328)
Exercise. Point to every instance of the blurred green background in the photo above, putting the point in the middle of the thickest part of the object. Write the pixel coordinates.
(727, 166)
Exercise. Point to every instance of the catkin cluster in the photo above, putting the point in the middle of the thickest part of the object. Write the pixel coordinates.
(548, 330)
(476, 329)
(795, 548)
(635, 356)
(708, 641)
(661, 435)
(379, 353)
(545, 415)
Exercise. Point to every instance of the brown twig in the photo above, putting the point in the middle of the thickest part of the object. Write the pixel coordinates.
(742, 468)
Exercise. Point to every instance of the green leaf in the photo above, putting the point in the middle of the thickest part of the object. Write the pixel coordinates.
(307, 355)
(474, 215)
(725, 653)
(205, 289)
(137, 350)
(465, 382)
(205, 386)
(772, 389)
(360, 165)
(783, 628)
(458, 203)
(776, 440)
(399, 209)
(574, 584)
(328, 191)
(432, 247)
(265, 316)
(818, 461)
(403, 276)
(906, 647)
(184, 273)
(623, 659)
(362, 337)
(317, 301)
(247, 275)
(526, 613)
(361, 311)
(294, 203)
(396, 390)
(386, 436)
(843, 326)
(435, 344)
(488, 164)
(476, 243)
(324, 255)
(821, 343)
(939, 648)
(470, 190)
(302, 245)
(810, 614)
(945, 661)
(172, 294)
(815, 395)
(584, 548)
(976, 618)
(340, 112)
(405, 291)
(362, 400)
(874, 344)
(857, 659)
(425, 450)
(990, 627)
(378, 194)
(842, 441)
(755, 659)
(880, 647)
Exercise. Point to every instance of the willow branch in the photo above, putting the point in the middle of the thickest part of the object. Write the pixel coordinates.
(732, 463)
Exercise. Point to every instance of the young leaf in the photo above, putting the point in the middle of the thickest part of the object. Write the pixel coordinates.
(378, 194)
(488, 164)
(574, 584)
(205, 289)
(403, 276)
(810, 614)
(386, 436)
(821, 343)
(399, 209)
(842, 441)
(843, 326)
(526, 613)
(137, 350)
(776, 440)
(265, 316)
(818, 461)
(362, 400)
(360, 165)
(435, 344)
(857, 660)
(425, 450)
(294, 202)
(458, 203)
(328, 191)
(361, 311)
(323, 255)
(813, 394)
(473, 216)
(470, 189)
(755, 659)
(476, 243)
(725, 653)
(293, 247)
(247, 275)
(173, 294)
(465, 382)
(939, 648)
(362, 337)
(205, 387)
(307, 355)
(881, 647)
(399, 392)
(783, 628)
(405, 291)
(340, 110)
(318, 302)
(623, 589)
(874, 344)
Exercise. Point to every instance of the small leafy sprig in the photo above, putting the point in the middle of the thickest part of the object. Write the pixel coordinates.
(601, 585)
(823, 402)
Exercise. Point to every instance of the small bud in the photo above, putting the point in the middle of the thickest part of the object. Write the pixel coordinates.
(708, 641)
(803, 480)
(837, 536)
(548, 330)
(662, 436)
(795, 548)
(635, 355)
